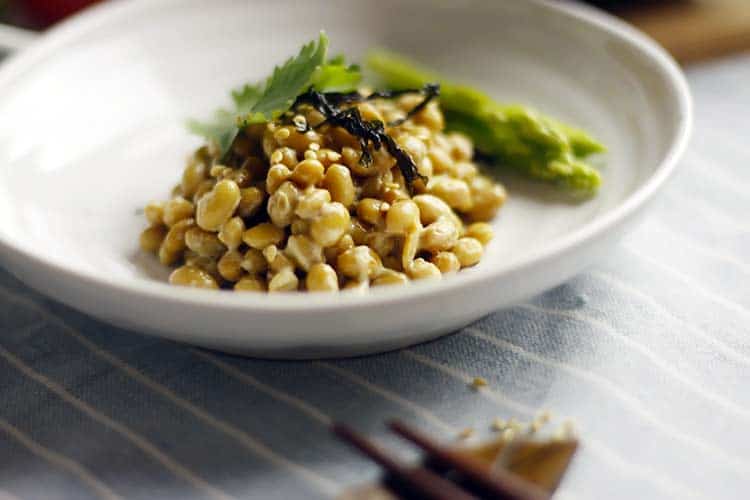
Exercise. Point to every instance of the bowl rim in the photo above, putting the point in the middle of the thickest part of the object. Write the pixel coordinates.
(671, 73)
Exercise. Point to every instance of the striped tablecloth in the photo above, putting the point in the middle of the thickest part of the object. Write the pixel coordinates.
(649, 352)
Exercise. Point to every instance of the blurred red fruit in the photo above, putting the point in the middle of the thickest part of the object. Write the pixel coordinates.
(47, 12)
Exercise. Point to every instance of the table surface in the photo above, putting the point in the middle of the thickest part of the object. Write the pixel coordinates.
(648, 352)
(693, 30)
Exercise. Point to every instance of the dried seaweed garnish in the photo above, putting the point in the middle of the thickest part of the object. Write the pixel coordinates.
(430, 92)
(370, 133)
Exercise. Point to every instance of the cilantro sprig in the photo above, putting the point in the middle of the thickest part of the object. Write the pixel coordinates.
(262, 102)
(223, 127)
(288, 81)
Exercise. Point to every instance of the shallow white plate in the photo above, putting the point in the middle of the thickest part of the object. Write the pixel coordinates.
(92, 129)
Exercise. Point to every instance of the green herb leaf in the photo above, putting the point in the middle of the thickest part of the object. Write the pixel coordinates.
(265, 101)
(246, 97)
(337, 60)
(222, 129)
(288, 81)
(335, 76)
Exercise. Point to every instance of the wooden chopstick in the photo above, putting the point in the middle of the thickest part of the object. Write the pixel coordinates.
(496, 484)
(419, 481)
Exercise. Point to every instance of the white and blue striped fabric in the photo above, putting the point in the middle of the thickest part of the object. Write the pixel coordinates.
(649, 352)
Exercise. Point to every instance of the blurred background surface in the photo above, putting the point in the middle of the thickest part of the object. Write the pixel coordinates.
(38, 14)
(707, 270)
(693, 30)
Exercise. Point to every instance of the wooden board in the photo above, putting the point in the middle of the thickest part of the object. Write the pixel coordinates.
(694, 30)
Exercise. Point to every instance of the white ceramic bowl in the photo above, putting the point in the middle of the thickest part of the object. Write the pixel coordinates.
(92, 129)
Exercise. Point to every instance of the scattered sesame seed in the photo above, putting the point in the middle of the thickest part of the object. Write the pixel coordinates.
(498, 424)
(311, 155)
(569, 427)
(514, 424)
(300, 122)
(508, 435)
(544, 417)
(466, 433)
(479, 382)
(558, 435)
(565, 432)
(270, 253)
(540, 421)
(276, 157)
(314, 146)
(217, 170)
(281, 134)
